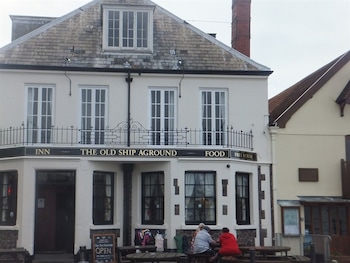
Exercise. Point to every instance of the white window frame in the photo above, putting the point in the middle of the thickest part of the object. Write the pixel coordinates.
(209, 137)
(43, 134)
(121, 11)
(89, 135)
(161, 136)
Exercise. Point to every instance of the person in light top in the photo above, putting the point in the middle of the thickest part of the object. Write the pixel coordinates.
(203, 242)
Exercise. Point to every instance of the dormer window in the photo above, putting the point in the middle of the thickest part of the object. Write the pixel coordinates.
(127, 28)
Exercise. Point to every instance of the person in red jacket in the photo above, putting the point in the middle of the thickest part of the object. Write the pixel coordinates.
(228, 245)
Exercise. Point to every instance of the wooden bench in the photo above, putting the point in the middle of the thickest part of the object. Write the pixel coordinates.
(198, 258)
(122, 251)
(295, 259)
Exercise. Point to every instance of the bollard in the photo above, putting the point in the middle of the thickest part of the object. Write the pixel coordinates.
(82, 255)
(252, 255)
(312, 253)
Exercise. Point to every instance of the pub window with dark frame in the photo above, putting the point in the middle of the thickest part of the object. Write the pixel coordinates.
(200, 201)
(103, 197)
(153, 198)
(242, 199)
(8, 198)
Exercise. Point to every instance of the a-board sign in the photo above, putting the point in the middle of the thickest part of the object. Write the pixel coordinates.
(103, 248)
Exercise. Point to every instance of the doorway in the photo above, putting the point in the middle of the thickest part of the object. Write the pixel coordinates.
(55, 212)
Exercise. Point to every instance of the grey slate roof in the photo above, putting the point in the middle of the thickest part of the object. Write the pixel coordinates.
(78, 36)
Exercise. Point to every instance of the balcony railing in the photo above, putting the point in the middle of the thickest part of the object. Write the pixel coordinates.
(121, 135)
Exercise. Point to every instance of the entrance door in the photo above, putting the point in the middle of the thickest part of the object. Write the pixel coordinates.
(55, 210)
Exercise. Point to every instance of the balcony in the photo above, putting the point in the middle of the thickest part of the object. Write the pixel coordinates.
(133, 135)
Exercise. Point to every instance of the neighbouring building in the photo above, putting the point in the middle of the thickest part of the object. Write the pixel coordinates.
(120, 116)
(310, 129)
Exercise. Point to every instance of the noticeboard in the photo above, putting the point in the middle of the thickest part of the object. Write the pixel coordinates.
(103, 248)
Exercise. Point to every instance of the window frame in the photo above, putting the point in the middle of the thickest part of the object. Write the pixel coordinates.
(162, 115)
(211, 116)
(39, 112)
(240, 214)
(327, 219)
(93, 135)
(101, 200)
(196, 203)
(135, 29)
(154, 194)
(8, 198)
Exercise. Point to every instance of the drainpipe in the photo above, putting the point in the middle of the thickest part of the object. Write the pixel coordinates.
(128, 80)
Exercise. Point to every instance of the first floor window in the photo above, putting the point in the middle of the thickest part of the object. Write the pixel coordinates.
(8, 198)
(103, 198)
(162, 116)
(93, 115)
(200, 201)
(39, 114)
(242, 199)
(153, 198)
(213, 117)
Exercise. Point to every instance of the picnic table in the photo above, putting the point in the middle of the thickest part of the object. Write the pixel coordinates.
(157, 257)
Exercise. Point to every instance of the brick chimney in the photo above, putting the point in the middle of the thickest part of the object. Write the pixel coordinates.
(240, 38)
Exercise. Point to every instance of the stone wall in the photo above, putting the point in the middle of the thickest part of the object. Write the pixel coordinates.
(8, 239)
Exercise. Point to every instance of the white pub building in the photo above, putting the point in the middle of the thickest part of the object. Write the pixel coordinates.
(120, 116)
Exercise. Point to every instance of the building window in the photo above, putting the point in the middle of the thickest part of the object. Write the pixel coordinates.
(8, 198)
(153, 198)
(93, 115)
(213, 117)
(200, 201)
(162, 116)
(327, 220)
(39, 114)
(103, 197)
(127, 29)
(242, 199)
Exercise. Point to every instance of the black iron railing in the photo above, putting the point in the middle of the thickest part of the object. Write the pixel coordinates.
(118, 136)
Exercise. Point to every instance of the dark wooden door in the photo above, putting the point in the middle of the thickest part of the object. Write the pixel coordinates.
(54, 225)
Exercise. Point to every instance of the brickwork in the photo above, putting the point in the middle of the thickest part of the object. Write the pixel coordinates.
(241, 26)
(8, 239)
(246, 237)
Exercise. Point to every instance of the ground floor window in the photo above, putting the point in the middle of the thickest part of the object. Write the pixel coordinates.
(200, 201)
(153, 198)
(8, 198)
(103, 196)
(327, 219)
(242, 199)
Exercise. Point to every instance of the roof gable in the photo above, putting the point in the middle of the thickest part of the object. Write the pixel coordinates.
(285, 104)
(78, 36)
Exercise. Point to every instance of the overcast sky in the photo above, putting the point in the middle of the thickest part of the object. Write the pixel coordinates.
(292, 37)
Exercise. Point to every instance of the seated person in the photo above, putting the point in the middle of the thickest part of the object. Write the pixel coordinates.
(203, 242)
(229, 244)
